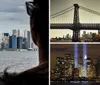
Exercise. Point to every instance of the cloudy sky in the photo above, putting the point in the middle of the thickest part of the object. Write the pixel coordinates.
(13, 15)
(85, 17)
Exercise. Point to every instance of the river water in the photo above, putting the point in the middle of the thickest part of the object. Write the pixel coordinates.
(18, 60)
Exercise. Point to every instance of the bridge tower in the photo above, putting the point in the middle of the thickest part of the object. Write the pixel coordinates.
(76, 31)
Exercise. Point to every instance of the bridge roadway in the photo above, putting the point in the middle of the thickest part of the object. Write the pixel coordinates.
(81, 26)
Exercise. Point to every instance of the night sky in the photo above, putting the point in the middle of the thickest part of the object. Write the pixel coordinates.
(85, 17)
(59, 50)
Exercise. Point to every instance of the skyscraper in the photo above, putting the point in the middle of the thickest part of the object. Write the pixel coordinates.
(25, 33)
(24, 44)
(31, 44)
(19, 42)
(5, 40)
(10, 41)
(18, 33)
(14, 32)
(29, 39)
(13, 42)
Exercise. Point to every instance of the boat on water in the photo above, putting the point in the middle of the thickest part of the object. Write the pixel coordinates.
(22, 50)
(30, 49)
(74, 81)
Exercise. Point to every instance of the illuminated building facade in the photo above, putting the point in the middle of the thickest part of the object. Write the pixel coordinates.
(75, 72)
(69, 64)
(91, 69)
(65, 68)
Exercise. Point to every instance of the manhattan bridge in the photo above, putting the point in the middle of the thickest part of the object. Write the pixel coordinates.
(76, 26)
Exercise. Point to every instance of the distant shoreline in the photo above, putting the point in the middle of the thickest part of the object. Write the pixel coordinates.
(35, 49)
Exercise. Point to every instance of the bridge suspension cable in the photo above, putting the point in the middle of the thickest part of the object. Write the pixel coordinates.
(61, 12)
(89, 10)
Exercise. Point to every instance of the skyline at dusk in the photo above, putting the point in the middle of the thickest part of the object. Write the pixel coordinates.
(84, 16)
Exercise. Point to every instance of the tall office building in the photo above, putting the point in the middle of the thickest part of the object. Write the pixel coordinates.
(90, 69)
(19, 42)
(5, 40)
(13, 42)
(10, 41)
(18, 33)
(75, 72)
(24, 43)
(25, 33)
(31, 44)
(14, 32)
(69, 63)
(59, 63)
(29, 39)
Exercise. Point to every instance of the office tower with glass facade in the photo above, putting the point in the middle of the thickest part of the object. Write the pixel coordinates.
(19, 42)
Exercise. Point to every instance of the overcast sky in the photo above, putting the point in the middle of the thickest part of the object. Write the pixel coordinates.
(13, 15)
(85, 17)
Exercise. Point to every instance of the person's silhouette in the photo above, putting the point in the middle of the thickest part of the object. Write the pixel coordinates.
(38, 10)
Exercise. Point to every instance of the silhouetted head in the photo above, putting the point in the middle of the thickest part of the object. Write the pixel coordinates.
(39, 24)
(39, 21)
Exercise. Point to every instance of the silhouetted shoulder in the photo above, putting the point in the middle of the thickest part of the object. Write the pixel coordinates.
(37, 75)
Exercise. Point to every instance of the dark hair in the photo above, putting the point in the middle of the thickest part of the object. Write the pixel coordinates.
(41, 23)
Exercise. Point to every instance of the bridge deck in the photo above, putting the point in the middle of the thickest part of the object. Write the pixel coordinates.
(83, 26)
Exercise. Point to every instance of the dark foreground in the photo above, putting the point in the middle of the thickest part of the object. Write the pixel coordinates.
(65, 83)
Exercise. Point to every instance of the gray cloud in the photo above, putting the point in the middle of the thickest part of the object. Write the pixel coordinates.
(13, 15)
(13, 11)
(11, 5)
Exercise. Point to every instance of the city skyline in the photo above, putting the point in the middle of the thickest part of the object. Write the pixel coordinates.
(16, 41)
(84, 17)
(59, 50)
(82, 32)
(22, 32)
(72, 62)
(13, 15)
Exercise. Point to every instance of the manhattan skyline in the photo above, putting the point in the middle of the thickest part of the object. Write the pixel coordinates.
(59, 50)
(84, 17)
(13, 15)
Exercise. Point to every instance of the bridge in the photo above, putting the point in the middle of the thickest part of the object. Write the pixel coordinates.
(76, 26)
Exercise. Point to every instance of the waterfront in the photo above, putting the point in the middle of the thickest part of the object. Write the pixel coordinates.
(18, 60)
(64, 83)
